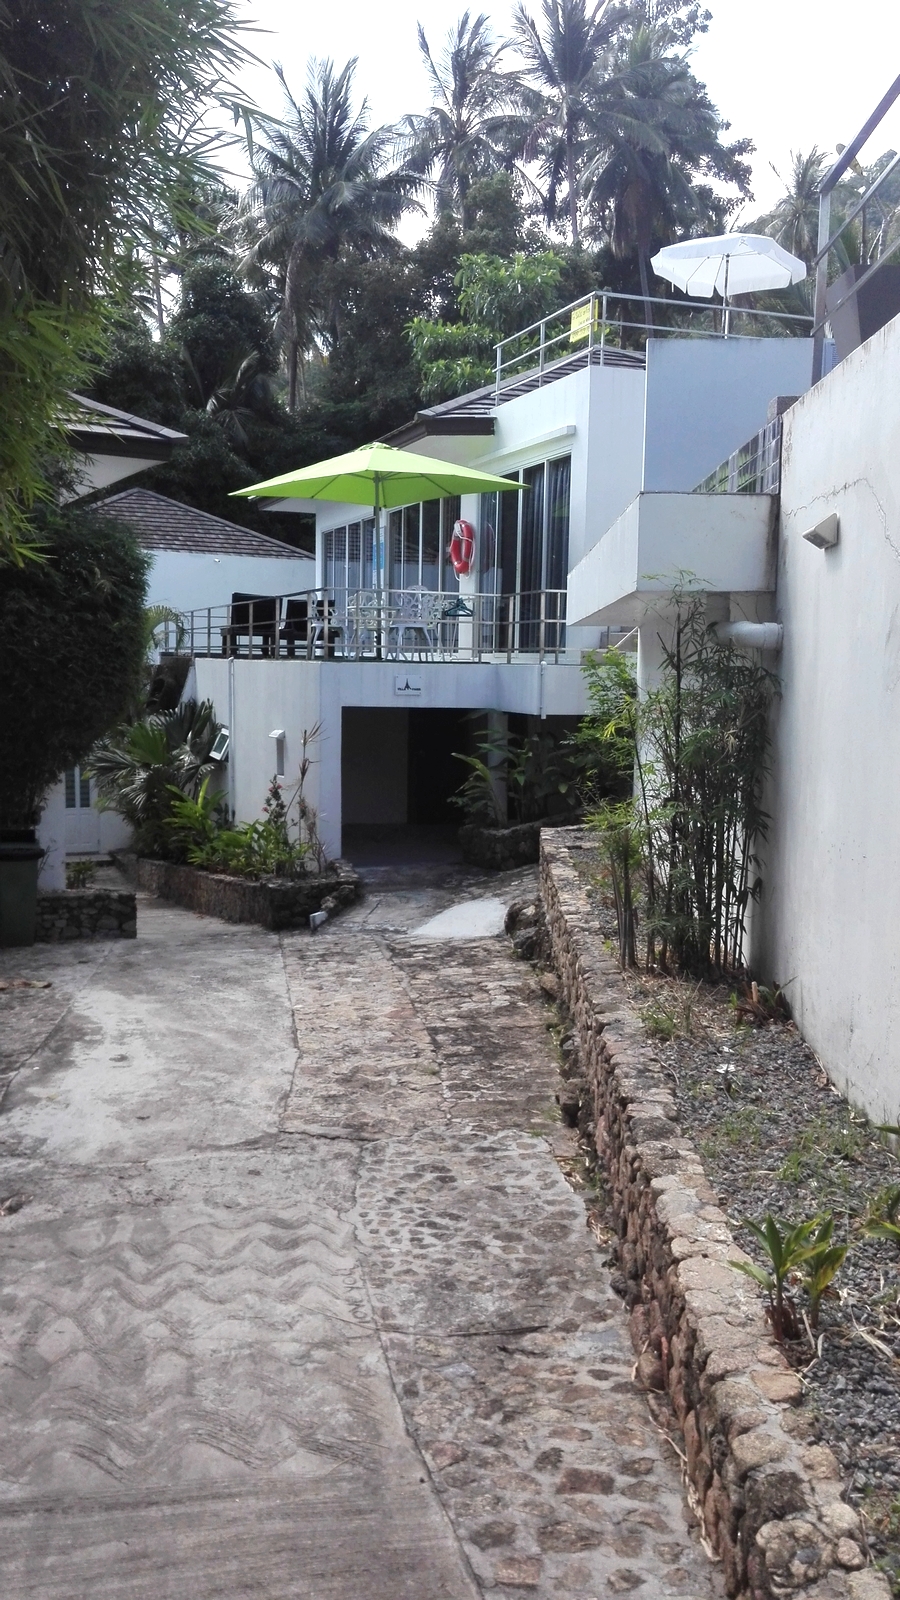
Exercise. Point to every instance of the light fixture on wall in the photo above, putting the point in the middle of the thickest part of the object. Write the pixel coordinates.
(278, 735)
(219, 748)
(825, 533)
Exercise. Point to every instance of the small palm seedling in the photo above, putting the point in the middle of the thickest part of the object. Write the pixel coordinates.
(821, 1264)
(787, 1249)
(883, 1221)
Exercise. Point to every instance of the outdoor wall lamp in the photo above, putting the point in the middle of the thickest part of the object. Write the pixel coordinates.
(278, 735)
(825, 533)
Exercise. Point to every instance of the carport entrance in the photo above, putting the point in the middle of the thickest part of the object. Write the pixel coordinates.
(397, 775)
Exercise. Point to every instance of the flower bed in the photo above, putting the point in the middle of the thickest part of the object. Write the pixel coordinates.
(274, 903)
(768, 1491)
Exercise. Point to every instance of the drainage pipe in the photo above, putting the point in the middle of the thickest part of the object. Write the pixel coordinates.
(751, 635)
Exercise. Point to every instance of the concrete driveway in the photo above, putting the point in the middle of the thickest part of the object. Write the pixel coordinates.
(297, 1303)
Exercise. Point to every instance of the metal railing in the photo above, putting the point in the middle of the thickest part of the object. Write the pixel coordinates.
(376, 625)
(755, 468)
(598, 327)
(827, 240)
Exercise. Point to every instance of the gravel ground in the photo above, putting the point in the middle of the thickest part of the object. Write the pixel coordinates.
(775, 1135)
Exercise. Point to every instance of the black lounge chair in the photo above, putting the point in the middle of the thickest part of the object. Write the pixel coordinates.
(251, 616)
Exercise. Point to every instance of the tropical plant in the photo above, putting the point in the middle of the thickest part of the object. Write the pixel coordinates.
(821, 1265)
(883, 1221)
(472, 128)
(788, 1249)
(71, 652)
(92, 148)
(520, 778)
(141, 768)
(325, 183)
(561, 56)
(496, 298)
(652, 135)
(199, 834)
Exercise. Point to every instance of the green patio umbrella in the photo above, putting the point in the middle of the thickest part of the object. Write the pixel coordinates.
(377, 475)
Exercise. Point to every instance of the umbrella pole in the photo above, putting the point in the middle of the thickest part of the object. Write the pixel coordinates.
(726, 313)
(380, 564)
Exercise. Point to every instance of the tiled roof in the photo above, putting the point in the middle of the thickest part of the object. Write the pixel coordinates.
(474, 413)
(163, 524)
(104, 430)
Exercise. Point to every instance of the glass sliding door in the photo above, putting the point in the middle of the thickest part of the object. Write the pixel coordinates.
(556, 551)
(524, 555)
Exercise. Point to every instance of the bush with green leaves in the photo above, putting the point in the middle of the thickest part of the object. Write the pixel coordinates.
(141, 768)
(71, 652)
(199, 833)
(539, 774)
(102, 133)
(700, 742)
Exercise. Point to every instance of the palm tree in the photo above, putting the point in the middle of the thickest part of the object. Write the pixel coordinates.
(794, 219)
(472, 128)
(323, 184)
(653, 133)
(561, 60)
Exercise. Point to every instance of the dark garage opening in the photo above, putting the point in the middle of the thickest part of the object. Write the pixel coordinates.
(397, 775)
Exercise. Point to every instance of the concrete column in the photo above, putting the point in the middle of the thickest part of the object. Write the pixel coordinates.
(51, 833)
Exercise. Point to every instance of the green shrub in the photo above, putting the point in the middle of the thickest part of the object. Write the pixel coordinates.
(71, 652)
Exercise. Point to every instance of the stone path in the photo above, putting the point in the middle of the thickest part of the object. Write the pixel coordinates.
(312, 1314)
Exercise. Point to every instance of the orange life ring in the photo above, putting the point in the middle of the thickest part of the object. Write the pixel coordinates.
(462, 548)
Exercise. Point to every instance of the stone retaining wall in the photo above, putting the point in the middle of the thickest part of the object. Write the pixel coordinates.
(275, 904)
(770, 1503)
(85, 914)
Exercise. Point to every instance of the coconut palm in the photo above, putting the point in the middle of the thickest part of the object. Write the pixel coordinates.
(323, 184)
(472, 127)
(561, 56)
(794, 219)
(653, 135)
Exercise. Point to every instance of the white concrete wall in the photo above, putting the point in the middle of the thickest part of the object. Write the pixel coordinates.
(720, 543)
(707, 397)
(253, 698)
(189, 581)
(832, 865)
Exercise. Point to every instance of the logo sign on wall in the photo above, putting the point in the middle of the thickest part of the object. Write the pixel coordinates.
(408, 684)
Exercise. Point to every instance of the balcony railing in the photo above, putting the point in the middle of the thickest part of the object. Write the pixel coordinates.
(613, 328)
(376, 625)
(753, 469)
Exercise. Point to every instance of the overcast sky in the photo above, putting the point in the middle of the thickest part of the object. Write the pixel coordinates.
(786, 73)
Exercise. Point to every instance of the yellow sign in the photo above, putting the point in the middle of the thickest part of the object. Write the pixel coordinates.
(580, 321)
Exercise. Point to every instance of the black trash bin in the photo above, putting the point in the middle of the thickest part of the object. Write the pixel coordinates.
(20, 858)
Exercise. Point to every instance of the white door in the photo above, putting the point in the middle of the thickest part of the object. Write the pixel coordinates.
(82, 820)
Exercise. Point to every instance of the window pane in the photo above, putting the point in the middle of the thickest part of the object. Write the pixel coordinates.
(328, 559)
(532, 559)
(367, 563)
(84, 790)
(509, 538)
(410, 546)
(558, 478)
(431, 544)
(450, 509)
(70, 788)
(395, 563)
(340, 558)
(488, 574)
(354, 532)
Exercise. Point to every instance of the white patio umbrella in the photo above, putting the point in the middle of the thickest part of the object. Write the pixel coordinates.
(728, 264)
